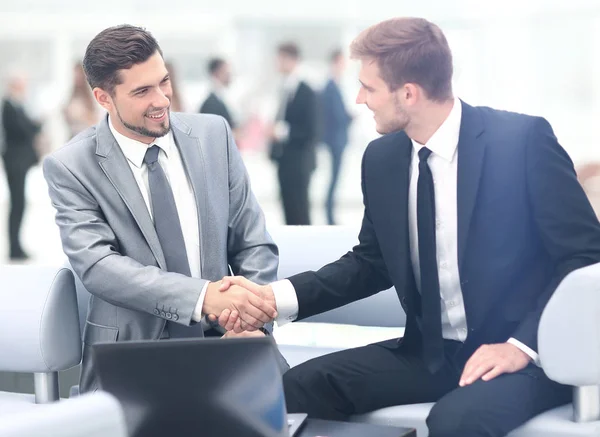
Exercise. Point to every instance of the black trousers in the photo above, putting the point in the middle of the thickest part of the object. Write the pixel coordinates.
(380, 375)
(294, 181)
(15, 176)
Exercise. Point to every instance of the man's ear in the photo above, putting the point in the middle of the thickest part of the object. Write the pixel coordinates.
(411, 93)
(103, 98)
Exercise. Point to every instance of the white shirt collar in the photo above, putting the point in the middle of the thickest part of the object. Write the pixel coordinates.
(291, 81)
(444, 141)
(135, 150)
(217, 88)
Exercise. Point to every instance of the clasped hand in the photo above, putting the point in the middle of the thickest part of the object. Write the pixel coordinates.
(239, 304)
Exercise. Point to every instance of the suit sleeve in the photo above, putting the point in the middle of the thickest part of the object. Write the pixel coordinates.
(17, 124)
(358, 274)
(93, 250)
(565, 220)
(250, 250)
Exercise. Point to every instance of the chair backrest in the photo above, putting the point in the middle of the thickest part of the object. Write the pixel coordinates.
(305, 248)
(97, 414)
(39, 323)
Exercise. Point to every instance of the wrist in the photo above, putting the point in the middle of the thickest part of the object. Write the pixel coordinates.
(211, 300)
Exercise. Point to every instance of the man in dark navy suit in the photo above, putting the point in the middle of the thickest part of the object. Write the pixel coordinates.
(335, 123)
(475, 216)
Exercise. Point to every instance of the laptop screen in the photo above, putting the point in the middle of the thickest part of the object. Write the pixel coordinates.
(199, 387)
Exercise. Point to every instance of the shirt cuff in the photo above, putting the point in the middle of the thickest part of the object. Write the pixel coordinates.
(533, 354)
(282, 131)
(286, 301)
(197, 315)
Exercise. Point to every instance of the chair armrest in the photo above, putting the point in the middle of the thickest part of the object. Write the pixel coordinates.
(569, 330)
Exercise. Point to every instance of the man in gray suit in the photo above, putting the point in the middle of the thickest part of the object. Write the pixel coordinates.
(154, 206)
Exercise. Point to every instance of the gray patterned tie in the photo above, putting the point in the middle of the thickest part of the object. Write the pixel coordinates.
(168, 229)
(166, 219)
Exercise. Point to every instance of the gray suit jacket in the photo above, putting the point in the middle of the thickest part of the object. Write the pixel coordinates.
(109, 237)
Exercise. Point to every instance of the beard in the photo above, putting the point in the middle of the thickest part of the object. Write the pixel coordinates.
(400, 120)
(144, 131)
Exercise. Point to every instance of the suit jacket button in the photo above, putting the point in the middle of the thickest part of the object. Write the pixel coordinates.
(175, 317)
(163, 314)
(156, 312)
(169, 315)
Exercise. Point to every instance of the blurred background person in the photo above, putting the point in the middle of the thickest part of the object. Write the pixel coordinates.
(81, 110)
(293, 137)
(177, 104)
(335, 122)
(220, 77)
(19, 156)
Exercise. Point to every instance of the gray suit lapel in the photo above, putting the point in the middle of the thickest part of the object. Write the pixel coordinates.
(117, 170)
(193, 161)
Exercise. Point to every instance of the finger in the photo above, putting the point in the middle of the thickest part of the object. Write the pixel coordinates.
(230, 323)
(477, 373)
(474, 362)
(264, 312)
(225, 283)
(245, 283)
(238, 326)
(496, 371)
(225, 314)
(249, 321)
(248, 327)
(212, 317)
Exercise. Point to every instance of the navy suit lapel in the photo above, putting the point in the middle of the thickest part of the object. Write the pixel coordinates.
(471, 151)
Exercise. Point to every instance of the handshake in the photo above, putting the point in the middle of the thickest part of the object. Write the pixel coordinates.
(239, 304)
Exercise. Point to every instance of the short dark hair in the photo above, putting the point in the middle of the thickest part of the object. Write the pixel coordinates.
(290, 49)
(215, 64)
(116, 48)
(408, 50)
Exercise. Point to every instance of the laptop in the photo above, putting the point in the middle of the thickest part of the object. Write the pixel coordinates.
(191, 387)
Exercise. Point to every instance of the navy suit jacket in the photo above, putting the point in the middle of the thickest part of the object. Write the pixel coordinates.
(335, 117)
(524, 223)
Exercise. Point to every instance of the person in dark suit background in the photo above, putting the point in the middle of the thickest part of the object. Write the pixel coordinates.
(335, 123)
(475, 216)
(19, 156)
(220, 74)
(293, 137)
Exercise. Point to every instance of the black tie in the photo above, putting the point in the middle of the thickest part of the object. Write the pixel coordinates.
(166, 218)
(431, 327)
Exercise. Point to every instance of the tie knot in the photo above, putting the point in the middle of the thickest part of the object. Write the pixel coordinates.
(424, 154)
(151, 155)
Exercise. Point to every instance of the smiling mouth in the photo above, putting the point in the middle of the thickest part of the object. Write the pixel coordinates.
(158, 115)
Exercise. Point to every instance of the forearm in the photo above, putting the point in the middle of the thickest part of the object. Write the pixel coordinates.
(124, 282)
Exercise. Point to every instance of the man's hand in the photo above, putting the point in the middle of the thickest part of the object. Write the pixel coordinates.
(232, 321)
(492, 360)
(245, 334)
(249, 309)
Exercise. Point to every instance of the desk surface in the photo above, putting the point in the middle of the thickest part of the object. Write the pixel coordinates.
(326, 428)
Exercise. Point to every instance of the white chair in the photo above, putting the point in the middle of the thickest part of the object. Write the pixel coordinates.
(39, 330)
(569, 334)
(97, 414)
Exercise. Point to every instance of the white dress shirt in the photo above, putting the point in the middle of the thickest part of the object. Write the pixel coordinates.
(185, 202)
(443, 163)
